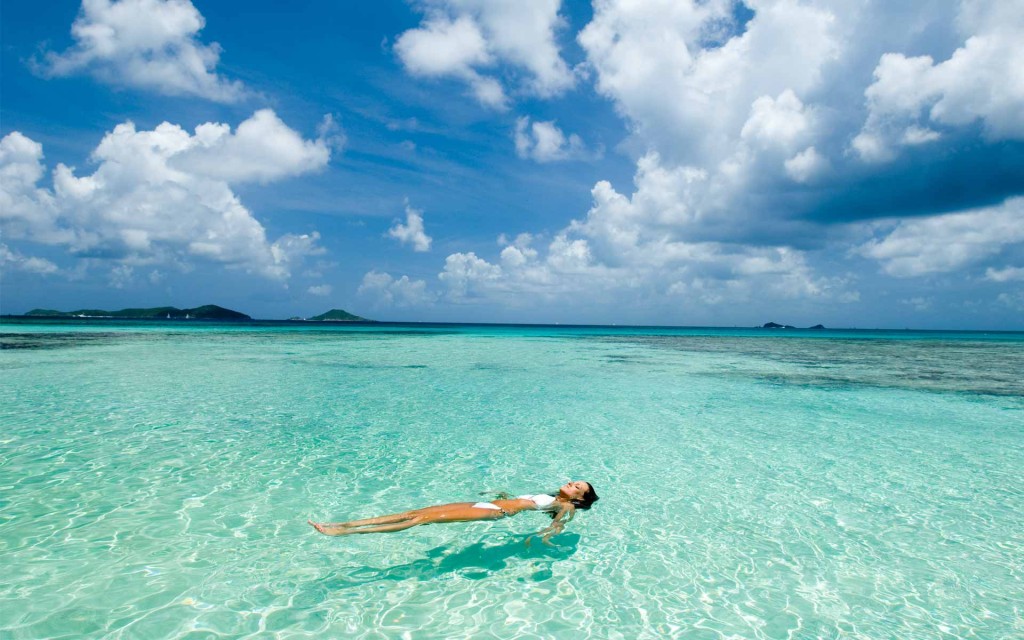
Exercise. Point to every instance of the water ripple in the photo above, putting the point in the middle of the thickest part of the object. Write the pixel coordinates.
(157, 485)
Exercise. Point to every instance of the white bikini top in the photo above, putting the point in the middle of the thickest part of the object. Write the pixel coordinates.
(543, 501)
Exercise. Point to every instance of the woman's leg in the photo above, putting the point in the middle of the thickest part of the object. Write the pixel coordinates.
(457, 512)
(341, 528)
(379, 528)
(394, 517)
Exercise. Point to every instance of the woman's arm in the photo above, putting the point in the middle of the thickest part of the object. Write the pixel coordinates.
(564, 515)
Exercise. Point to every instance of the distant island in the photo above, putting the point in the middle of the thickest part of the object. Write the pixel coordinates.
(205, 312)
(338, 315)
(775, 325)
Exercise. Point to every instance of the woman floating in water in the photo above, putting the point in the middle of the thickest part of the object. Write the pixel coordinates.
(562, 507)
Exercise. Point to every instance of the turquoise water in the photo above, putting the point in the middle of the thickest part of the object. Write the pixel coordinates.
(155, 480)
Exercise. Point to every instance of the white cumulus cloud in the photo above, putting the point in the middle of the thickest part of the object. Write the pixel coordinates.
(545, 142)
(806, 165)
(261, 149)
(982, 81)
(781, 121)
(155, 198)
(387, 291)
(146, 44)
(940, 244)
(464, 272)
(637, 245)
(13, 259)
(690, 102)
(24, 207)
(1007, 274)
(742, 132)
(721, 113)
(467, 39)
(412, 232)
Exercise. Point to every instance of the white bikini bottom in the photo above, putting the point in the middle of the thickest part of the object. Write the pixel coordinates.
(487, 505)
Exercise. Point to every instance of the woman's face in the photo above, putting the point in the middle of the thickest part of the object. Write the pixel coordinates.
(575, 490)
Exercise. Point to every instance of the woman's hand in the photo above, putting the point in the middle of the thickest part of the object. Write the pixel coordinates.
(567, 512)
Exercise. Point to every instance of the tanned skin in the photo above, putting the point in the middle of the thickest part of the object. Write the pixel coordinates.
(461, 512)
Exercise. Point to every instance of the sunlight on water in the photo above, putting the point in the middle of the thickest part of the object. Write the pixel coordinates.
(155, 481)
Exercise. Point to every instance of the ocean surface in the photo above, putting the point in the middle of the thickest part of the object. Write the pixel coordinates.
(156, 478)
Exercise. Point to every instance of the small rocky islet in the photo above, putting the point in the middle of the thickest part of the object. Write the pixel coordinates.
(775, 325)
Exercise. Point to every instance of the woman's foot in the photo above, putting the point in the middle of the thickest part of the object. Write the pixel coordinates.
(328, 529)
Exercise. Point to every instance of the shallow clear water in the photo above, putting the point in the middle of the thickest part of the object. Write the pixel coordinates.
(155, 480)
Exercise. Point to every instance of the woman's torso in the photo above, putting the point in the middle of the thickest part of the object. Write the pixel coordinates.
(540, 502)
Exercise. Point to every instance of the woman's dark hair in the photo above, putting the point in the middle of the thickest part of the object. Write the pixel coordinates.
(589, 498)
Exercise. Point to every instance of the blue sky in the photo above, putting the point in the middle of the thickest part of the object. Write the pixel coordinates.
(666, 162)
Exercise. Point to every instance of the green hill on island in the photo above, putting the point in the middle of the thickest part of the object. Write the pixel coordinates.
(205, 312)
(339, 315)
